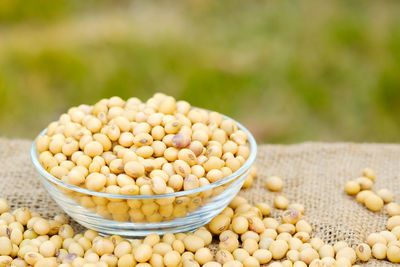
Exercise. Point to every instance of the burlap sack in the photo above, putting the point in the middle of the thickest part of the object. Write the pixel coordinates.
(314, 175)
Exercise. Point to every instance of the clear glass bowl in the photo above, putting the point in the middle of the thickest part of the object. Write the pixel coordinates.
(141, 215)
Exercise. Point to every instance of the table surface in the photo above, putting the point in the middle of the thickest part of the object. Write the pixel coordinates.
(314, 175)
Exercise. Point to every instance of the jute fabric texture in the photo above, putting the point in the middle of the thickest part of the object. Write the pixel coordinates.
(314, 175)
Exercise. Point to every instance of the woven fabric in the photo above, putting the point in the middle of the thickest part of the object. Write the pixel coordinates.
(314, 175)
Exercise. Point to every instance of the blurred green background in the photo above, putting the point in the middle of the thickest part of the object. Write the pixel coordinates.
(291, 71)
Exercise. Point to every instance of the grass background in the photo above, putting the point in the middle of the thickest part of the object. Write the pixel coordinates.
(289, 70)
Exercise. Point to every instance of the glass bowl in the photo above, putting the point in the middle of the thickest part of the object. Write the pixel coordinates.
(141, 215)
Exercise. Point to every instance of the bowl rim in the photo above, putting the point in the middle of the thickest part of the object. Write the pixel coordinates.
(247, 164)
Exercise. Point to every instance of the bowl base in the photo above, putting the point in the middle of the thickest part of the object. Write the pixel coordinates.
(132, 233)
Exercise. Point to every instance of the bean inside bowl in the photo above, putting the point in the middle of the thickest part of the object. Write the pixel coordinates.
(141, 213)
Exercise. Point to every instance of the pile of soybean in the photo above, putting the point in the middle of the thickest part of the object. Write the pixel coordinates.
(141, 148)
(246, 236)
(134, 147)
